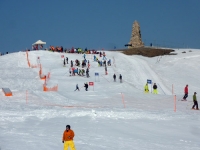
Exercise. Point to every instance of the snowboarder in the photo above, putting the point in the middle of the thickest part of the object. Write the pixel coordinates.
(77, 88)
(195, 101)
(86, 86)
(155, 91)
(67, 139)
(114, 77)
(120, 78)
(146, 88)
(186, 93)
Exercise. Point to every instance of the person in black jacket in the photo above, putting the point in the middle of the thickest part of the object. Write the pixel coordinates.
(67, 60)
(71, 63)
(114, 77)
(86, 86)
(87, 73)
(120, 78)
(64, 63)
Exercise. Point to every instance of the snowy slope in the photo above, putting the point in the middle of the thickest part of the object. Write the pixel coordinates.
(113, 116)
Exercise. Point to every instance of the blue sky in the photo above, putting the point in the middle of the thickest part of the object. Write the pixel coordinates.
(98, 23)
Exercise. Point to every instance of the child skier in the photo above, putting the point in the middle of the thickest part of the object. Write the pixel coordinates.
(77, 88)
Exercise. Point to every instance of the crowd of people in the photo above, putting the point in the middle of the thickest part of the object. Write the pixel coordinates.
(72, 50)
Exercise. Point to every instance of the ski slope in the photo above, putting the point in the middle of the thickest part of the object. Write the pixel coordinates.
(112, 116)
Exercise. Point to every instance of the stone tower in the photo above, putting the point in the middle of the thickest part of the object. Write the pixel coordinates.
(136, 39)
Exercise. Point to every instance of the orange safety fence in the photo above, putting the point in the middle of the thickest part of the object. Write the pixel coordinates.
(45, 88)
(114, 100)
(34, 66)
(29, 64)
(43, 77)
(47, 78)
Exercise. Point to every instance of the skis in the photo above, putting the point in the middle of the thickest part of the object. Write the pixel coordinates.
(183, 100)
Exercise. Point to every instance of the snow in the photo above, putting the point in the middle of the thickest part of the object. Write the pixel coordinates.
(112, 116)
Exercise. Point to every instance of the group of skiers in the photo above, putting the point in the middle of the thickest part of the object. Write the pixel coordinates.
(155, 91)
(80, 72)
(146, 88)
(85, 85)
(194, 97)
(120, 78)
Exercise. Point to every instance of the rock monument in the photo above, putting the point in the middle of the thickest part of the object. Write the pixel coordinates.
(136, 40)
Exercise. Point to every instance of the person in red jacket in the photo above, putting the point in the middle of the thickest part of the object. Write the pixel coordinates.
(67, 139)
(186, 93)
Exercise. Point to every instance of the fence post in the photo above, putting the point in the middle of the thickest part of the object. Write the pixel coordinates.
(174, 103)
(123, 100)
(26, 96)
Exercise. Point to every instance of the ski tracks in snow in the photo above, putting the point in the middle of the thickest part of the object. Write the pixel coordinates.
(140, 71)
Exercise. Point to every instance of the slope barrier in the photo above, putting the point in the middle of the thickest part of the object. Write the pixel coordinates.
(7, 91)
(45, 88)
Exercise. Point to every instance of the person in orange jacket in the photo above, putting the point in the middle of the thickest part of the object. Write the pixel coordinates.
(67, 139)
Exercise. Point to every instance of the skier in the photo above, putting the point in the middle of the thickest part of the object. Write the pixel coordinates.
(114, 77)
(84, 55)
(186, 93)
(120, 78)
(71, 63)
(77, 88)
(67, 139)
(86, 86)
(83, 71)
(195, 101)
(80, 72)
(64, 63)
(146, 88)
(70, 71)
(88, 64)
(67, 60)
(155, 91)
(106, 71)
(100, 54)
(87, 73)
(109, 62)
